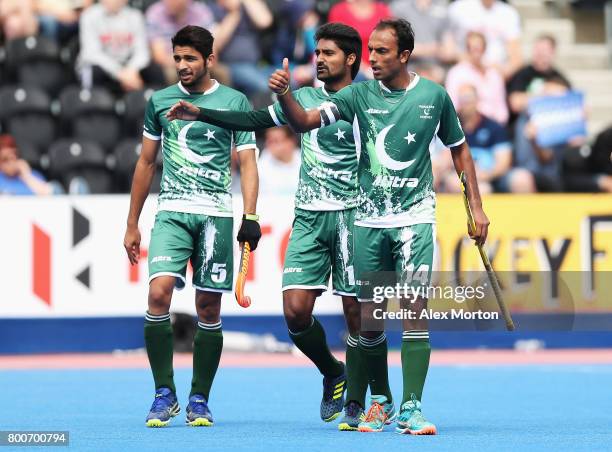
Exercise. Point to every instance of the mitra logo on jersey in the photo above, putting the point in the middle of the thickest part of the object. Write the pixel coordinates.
(374, 111)
(395, 181)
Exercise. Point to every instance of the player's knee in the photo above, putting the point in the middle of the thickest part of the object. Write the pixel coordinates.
(208, 307)
(352, 313)
(159, 299)
(297, 318)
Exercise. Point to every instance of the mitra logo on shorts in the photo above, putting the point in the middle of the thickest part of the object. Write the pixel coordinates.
(161, 259)
(292, 270)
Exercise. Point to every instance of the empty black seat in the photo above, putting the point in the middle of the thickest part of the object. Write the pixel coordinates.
(126, 155)
(35, 61)
(26, 114)
(90, 115)
(135, 104)
(71, 160)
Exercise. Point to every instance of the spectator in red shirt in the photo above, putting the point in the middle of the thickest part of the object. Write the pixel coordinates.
(363, 15)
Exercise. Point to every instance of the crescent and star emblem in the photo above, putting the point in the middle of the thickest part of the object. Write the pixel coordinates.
(382, 155)
(323, 157)
(188, 153)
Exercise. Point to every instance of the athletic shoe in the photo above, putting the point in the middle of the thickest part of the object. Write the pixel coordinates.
(376, 417)
(333, 396)
(165, 407)
(389, 408)
(352, 416)
(198, 413)
(411, 420)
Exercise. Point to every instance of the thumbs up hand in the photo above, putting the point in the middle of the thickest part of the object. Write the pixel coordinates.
(280, 80)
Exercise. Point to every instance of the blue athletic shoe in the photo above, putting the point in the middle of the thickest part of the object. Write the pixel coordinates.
(198, 413)
(333, 396)
(165, 407)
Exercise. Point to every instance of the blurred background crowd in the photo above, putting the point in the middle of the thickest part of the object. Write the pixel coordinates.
(75, 76)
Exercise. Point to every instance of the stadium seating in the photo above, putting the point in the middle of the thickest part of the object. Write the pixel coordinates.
(26, 115)
(90, 115)
(72, 160)
(125, 158)
(29, 58)
(134, 105)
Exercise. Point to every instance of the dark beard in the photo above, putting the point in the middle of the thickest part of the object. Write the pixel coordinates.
(198, 80)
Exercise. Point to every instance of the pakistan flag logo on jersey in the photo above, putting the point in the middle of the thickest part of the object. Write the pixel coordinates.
(318, 152)
(382, 162)
(188, 153)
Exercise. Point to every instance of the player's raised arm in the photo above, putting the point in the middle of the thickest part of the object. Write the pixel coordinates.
(300, 119)
(462, 159)
(141, 183)
(228, 119)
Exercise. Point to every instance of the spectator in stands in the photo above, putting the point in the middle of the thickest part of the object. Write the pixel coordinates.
(590, 170)
(363, 15)
(240, 51)
(491, 150)
(433, 42)
(16, 176)
(488, 81)
(529, 80)
(295, 39)
(279, 163)
(499, 22)
(546, 164)
(59, 19)
(114, 48)
(164, 18)
(17, 19)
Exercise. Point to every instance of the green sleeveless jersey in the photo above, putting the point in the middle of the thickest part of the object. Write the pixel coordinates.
(196, 174)
(328, 174)
(397, 129)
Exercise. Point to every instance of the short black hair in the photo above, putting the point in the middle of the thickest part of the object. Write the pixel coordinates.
(193, 36)
(346, 38)
(403, 32)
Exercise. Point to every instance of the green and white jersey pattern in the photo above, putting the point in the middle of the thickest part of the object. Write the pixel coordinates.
(196, 156)
(328, 174)
(397, 129)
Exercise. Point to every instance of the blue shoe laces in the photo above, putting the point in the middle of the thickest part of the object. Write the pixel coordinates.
(161, 403)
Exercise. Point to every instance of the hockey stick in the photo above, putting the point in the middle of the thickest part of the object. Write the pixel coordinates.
(242, 299)
(485, 258)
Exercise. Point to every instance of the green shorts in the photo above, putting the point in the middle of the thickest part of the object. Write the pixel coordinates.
(206, 241)
(321, 243)
(406, 251)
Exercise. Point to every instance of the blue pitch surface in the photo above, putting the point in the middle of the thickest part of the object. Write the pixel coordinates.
(501, 408)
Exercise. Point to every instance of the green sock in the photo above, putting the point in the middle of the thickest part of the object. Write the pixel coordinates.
(207, 346)
(415, 362)
(159, 344)
(374, 354)
(356, 373)
(313, 343)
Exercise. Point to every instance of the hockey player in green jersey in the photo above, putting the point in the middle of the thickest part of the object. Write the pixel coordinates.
(193, 223)
(322, 238)
(399, 116)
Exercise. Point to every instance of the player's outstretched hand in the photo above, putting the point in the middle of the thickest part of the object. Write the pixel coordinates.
(250, 232)
(279, 81)
(183, 110)
(482, 226)
(131, 243)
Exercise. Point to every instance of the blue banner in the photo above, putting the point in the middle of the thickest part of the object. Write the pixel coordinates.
(558, 118)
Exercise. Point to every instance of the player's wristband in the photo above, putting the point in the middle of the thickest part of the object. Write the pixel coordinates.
(250, 216)
(284, 92)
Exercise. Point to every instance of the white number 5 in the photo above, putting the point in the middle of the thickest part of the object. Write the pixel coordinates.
(218, 273)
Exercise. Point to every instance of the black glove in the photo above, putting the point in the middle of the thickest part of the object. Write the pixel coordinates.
(249, 232)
